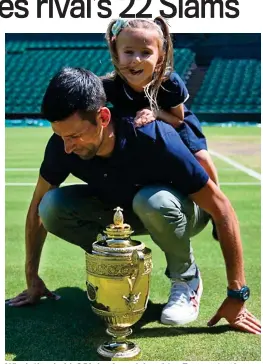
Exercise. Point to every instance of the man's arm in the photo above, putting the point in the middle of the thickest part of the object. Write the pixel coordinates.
(188, 177)
(35, 235)
(212, 200)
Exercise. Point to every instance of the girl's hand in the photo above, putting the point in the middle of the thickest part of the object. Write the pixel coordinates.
(144, 116)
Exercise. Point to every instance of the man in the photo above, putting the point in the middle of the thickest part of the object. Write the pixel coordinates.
(151, 174)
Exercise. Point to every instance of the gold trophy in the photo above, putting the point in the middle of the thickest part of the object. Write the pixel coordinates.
(118, 280)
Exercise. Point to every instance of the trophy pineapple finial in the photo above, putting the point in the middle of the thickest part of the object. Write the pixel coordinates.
(118, 232)
(118, 216)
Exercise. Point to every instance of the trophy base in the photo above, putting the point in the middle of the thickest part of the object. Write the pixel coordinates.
(119, 350)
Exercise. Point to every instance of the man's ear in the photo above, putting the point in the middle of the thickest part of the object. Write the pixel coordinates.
(104, 116)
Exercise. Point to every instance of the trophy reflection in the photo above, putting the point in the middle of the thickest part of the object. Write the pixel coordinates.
(118, 279)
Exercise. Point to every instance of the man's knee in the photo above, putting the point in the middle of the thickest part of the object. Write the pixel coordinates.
(161, 210)
(156, 201)
(49, 209)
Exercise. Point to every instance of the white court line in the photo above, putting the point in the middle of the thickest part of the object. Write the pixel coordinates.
(37, 169)
(25, 184)
(239, 166)
(240, 184)
(21, 169)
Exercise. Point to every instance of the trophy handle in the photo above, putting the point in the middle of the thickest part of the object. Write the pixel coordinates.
(138, 260)
(133, 298)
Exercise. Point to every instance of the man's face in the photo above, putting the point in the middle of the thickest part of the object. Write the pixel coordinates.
(80, 136)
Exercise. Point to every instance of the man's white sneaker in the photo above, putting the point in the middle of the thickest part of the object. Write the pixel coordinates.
(184, 301)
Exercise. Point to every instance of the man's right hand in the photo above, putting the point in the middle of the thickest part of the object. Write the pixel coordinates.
(32, 295)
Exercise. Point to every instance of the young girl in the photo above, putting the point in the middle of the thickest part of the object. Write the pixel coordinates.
(145, 86)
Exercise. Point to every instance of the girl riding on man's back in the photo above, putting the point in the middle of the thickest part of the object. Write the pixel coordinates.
(145, 86)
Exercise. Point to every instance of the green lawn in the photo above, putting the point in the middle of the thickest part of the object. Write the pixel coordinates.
(67, 330)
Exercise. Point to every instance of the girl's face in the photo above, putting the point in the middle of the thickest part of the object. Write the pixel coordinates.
(138, 55)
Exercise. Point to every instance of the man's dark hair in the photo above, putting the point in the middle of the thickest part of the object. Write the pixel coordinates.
(73, 90)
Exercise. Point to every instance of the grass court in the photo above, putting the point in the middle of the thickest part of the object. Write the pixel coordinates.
(67, 330)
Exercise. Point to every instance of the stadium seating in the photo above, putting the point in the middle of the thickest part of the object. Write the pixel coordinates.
(31, 64)
(28, 73)
(18, 46)
(183, 59)
(230, 86)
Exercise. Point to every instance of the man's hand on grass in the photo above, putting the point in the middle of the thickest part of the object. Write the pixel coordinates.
(237, 315)
(36, 290)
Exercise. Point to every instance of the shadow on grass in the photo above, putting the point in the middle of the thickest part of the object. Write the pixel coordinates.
(153, 313)
(68, 330)
(61, 330)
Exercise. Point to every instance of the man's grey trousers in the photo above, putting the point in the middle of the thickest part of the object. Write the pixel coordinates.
(170, 218)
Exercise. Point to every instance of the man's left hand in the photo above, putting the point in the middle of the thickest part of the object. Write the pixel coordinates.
(237, 315)
(144, 116)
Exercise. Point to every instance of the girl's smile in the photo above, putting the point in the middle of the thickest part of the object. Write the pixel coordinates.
(138, 55)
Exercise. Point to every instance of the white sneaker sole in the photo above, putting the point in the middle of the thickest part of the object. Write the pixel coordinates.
(167, 320)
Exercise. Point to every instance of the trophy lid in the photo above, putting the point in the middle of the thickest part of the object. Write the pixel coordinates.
(117, 237)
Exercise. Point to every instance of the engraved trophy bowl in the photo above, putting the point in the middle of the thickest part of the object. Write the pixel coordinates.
(118, 280)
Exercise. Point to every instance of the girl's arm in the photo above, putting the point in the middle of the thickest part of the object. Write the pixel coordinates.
(207, 163)
(175, 116)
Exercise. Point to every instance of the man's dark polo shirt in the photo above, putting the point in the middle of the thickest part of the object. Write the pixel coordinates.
(150, 155)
